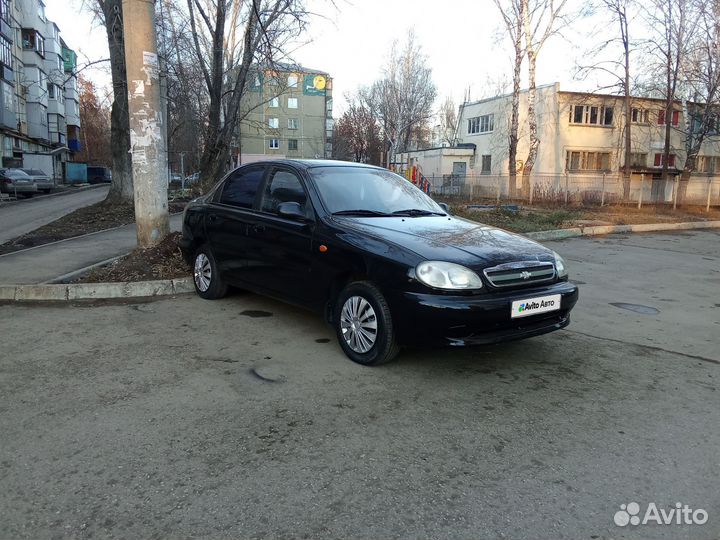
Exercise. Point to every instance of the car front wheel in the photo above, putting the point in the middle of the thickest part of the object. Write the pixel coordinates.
(206, 276)
(364, 326)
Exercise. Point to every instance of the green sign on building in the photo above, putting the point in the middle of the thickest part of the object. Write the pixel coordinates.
(69, 59)
(314, 85)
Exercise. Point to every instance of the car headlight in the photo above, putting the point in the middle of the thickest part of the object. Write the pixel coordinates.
(560, 266)
(446, 275)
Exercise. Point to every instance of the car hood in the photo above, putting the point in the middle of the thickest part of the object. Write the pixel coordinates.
(448, 238)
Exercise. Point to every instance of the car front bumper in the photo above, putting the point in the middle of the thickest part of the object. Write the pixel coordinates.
(458, 320)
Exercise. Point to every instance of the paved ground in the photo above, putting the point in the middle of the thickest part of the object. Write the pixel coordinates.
(45, 263)
(183, 417)
(27, 215)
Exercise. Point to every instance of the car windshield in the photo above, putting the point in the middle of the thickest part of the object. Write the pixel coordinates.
(15, 173)
(368, 192)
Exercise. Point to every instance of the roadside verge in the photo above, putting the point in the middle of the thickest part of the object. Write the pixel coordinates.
(117, 290)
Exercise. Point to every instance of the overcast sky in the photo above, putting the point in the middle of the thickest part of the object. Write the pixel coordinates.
(351, 42)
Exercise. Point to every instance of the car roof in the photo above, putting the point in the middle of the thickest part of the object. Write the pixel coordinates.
(314, 163)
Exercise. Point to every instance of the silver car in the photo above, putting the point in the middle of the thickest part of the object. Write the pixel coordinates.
(43, 181)
(16, 182)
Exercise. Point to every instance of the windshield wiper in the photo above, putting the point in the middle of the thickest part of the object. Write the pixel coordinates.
(360, 212)
(417, 212)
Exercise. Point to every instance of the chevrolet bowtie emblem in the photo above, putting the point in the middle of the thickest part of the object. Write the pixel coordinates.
(525, 275)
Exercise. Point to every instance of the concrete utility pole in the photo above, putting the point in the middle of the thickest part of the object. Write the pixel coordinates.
(147, 133)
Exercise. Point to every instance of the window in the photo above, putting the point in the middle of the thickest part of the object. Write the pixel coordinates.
(283, 187)
(675, 118)
(707, 164)
(241, 187)
(292, 144)
(41, 11)
(658, 161)
(481, 124)
(273, 123)
(5, 51)
(275, 102)
(33, 40)
(274, 144)
(292, 81)
(486, 164)
(292, 103)
(638, 160)
(594, 115)
(640, 116)
(292, 123)
(51, 90)
(587, 161)
(5, 10)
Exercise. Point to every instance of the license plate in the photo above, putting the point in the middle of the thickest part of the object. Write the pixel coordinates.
(535, 306)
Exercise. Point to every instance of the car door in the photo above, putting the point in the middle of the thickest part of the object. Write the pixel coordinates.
(227, 219)
(279, 248)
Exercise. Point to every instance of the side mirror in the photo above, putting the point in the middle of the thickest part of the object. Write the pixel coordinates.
(445, 207)
(291, 210)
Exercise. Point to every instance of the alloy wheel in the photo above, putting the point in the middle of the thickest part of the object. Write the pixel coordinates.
(202, 272)
(358, 323)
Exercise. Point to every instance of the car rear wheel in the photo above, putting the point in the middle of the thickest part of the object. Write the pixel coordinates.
(206, 277)
(363, 324)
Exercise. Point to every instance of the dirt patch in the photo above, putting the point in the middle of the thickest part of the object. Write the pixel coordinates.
(164, 261)
(531, 219)
(90, 219)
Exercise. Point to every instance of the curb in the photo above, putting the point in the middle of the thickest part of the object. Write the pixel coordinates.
(55, 292)
(562, 234)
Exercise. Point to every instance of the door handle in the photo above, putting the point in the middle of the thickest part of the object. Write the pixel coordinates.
(213, 218)
(257, 228)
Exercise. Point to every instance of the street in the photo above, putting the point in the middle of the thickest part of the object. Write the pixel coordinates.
(27, 215)
(241, 418)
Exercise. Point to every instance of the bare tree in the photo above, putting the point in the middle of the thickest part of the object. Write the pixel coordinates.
(618, 68)
(121, 189)
(402, 101)
(702, 75)
(541, 20)
(358, 135)
(513, 14)
(669, 20)
(448, 121)
(232, 40)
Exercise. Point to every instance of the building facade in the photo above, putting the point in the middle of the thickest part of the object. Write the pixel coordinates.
(40, 119)
(287, 113)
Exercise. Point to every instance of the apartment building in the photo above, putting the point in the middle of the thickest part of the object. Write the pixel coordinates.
(582, 134)
(40, 118)
(288, 114)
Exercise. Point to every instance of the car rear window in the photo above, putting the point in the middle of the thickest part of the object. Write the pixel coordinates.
(240, 189)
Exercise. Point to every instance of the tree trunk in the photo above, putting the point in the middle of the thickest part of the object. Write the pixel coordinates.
(121, 189)
(628, 105)
(515, 111)
(532, 124)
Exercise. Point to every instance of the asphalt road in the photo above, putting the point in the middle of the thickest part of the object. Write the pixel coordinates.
(27, 215)
(241, 418)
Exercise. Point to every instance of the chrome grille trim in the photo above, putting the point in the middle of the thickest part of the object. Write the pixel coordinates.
(520, 273)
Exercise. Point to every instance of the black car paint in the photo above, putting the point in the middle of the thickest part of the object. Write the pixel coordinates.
(280, 257)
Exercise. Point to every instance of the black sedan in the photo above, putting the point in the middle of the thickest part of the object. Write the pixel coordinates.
(384, 263)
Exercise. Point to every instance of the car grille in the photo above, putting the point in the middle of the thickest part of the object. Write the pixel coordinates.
(520, 273)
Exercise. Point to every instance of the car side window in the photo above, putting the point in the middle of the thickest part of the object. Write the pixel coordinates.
(240, 189)
(283, 186)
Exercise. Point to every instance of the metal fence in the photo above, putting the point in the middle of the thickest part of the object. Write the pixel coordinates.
(563, 189)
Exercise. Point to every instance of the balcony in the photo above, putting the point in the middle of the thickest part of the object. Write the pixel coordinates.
(74, 145)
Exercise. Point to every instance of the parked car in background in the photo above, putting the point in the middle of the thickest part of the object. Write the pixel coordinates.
(386, 264)
(43, 181)
(98, 175)
(17, 182)
(192, 178)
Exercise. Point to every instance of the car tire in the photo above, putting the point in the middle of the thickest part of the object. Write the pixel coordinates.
(46, 191)
(360, 306)
(206, 277)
